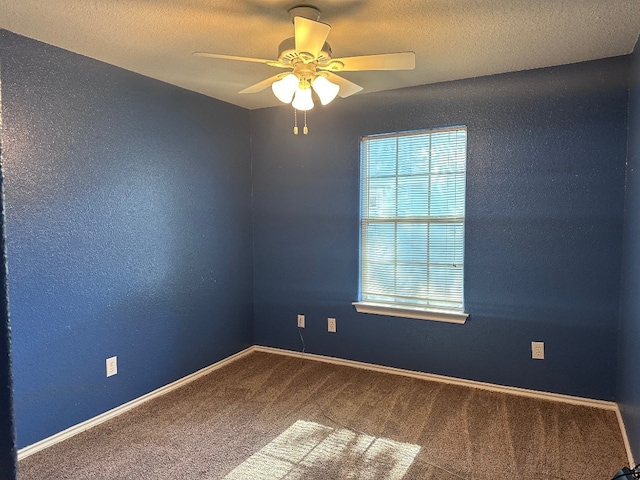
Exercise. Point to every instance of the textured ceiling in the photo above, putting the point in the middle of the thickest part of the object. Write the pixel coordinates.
(452, 39)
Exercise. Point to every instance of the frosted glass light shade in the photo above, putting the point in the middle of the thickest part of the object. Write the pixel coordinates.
(285, 88)
(325, 89)
(302, 99)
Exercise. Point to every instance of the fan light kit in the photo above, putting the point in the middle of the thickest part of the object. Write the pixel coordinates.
(308, 58)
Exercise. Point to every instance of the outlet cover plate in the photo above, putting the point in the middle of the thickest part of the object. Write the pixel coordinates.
(537, 350)
(300, 321)
(331, 324)
(112, 366)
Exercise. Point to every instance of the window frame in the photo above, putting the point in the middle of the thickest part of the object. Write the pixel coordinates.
(397, 309)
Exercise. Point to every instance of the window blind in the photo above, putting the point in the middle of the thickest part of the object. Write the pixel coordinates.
(412, 219)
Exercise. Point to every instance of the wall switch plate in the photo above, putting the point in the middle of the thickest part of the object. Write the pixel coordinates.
(331, 324)
(112, 366)
(300, 321)
(537, 350)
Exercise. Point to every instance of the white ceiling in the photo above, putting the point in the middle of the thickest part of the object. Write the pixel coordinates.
(452, 39)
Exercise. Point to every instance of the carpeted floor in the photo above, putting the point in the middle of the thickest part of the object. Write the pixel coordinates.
(269, 416)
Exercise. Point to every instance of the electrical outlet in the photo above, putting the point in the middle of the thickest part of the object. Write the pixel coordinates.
(537, 350)
(300, 321)
(331, 324)
(112, 366)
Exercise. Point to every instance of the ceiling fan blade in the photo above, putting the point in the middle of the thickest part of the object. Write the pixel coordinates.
(383, 61)
(346, 87)
(232, 57)
(258, 87)
(310, 35)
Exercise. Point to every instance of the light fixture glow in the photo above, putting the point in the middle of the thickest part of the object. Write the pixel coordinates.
(302, 100)
(325, 89)
(285, 88)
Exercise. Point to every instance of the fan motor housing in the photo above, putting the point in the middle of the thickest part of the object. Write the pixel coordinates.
(287, 53)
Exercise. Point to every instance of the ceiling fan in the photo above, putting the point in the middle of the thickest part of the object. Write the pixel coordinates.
(308, 58)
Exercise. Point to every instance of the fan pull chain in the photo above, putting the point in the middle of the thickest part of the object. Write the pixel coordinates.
(305, 129)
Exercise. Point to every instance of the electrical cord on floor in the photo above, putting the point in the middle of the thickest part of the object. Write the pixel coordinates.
(627, 473)
(347, 427)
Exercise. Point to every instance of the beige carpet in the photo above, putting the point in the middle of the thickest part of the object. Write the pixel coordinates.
(269, 416)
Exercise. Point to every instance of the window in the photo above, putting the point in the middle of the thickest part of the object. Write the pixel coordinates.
(412, 224)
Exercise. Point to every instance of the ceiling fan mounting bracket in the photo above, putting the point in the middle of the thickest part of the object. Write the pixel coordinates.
(305, 11)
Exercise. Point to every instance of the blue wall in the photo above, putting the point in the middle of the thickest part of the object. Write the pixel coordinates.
(628, 388)
(546, 156)
(128, 206)
(128, 218)
(7, 436)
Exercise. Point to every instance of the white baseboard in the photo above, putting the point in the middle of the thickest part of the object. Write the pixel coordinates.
(556, 397)
(108, 415)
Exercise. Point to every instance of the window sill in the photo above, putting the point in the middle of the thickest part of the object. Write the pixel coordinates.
(435, 315)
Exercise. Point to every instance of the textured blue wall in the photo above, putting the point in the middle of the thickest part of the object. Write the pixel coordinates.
(129, 231)
(628, 387)
(7, 437)
(128, 218)
(546, 156)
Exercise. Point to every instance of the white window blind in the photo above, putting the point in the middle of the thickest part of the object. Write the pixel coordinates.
(412, 214)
